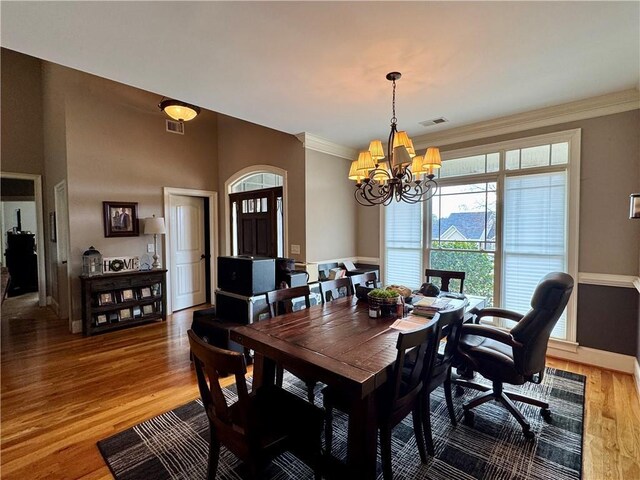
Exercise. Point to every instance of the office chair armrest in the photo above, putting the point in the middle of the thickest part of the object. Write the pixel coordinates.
(490, 332)
(497, 312)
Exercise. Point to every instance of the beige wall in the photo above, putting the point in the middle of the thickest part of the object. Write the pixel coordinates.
(21, 132)
(117, 149)
(330, 208)
(610, 171)
(242, 144)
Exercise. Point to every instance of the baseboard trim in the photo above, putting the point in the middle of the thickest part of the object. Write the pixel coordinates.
(636, 375)
(597, 358)
(53, 304)
(76, 326)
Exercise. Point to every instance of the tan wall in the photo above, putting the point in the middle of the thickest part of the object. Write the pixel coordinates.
(242, 144)
(55, 168)
(610, 171)
(117, 149)
(330, 208)
(21, 132)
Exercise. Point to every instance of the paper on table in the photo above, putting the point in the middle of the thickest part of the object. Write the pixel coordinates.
(409, 323)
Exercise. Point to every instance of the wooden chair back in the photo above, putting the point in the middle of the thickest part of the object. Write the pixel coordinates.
(409, 373)
(284, 297)
(368, 279)
(334, 289)
(209, 361)
(445, 277)
(450, 322)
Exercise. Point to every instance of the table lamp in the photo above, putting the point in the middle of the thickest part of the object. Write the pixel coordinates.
(154, 226)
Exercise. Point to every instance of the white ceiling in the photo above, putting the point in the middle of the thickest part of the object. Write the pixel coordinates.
(320, 67)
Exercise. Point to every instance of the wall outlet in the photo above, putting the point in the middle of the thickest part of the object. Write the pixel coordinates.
(150, 248)
(295, 249)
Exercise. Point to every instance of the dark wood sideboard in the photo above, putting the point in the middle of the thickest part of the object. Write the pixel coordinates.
(121, 300)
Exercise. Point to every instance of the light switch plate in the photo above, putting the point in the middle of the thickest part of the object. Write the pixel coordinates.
(149, 247)
(295, 249)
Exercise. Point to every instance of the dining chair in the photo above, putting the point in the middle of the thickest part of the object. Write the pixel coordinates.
(401, 394)
(258, 426)
(445, 277)
(450, 324)
(284, 298)
(334, 289)
(368, 279)
(516, 356)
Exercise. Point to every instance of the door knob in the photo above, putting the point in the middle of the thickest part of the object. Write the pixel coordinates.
(203, 256)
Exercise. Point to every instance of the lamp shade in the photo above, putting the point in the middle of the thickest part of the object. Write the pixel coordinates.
(180, 111)
(354, 174)
(410, 149)
(365, 163)
(382, 174)
(634, 208)
(432, 158)
(401, 138)
(401, 156)
(376, 151)
(416, 166)
(154, 225)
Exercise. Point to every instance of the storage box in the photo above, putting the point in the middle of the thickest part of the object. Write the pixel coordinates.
(245, 275)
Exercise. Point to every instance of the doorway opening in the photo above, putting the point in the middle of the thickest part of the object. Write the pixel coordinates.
(256, 213)
(22, 236)
(191, 218)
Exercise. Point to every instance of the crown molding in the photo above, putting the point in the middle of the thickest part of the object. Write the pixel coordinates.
(609, 104)
(319, 144)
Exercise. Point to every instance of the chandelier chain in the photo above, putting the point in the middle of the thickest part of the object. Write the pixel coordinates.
(393, 104)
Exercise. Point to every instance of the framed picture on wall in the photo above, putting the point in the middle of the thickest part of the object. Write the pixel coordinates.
(120, 219)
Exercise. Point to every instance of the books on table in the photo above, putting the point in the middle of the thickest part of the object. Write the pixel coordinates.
(429, 306)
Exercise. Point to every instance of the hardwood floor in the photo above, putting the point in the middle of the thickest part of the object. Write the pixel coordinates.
(61, 393)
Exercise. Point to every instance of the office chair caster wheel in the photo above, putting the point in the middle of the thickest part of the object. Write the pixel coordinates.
(528, 434)
(468, 418)
(459, 391)
(546, 414)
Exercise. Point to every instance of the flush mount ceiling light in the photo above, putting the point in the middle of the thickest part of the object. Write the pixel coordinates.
(401, 175)
(180, 111)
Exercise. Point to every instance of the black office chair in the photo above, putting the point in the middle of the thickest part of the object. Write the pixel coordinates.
(445, 277)
(516, 356)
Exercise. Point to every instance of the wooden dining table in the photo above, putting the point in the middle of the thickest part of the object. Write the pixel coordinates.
(339, 345)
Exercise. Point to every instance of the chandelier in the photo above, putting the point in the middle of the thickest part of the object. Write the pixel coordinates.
(403, 176)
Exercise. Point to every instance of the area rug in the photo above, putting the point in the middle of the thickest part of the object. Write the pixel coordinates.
(174, 445)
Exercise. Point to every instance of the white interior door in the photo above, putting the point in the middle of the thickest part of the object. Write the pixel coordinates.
(188, 275)
(62, 249)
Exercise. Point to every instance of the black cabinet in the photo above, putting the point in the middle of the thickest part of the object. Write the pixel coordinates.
(22, 263)
(120, 300)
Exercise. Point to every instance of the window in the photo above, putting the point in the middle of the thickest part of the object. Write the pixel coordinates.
(506, 214)
(463, 234)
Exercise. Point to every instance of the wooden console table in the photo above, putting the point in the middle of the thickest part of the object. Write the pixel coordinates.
(121, 300)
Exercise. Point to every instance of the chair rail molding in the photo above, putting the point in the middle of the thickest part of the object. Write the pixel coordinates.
(319, 144)
(601, 105)
(609, 280)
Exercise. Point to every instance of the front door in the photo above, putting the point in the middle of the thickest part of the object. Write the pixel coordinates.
(255, 221)
(188, 275)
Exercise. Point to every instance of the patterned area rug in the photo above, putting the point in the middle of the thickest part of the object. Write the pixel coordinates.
(174, 445)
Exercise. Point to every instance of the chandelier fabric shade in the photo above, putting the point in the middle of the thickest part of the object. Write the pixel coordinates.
(401, 175)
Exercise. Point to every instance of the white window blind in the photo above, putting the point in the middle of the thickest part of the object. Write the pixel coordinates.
(403, 244)
(535, 242)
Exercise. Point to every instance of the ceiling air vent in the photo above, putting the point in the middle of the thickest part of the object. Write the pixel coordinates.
(435, 121)
(175, 127)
